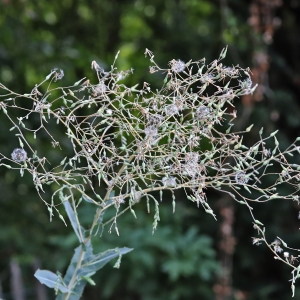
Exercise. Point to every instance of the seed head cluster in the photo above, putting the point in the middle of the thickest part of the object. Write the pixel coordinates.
(139, 141)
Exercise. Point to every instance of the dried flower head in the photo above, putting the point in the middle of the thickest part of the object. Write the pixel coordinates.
(100, 88)
(256, 241)
(169, 181)
(155, 119)
(246, 85)
(276, 246)
(177, 66)
(171, 110)
(151, 131)
(191, 158)
(58, 74)
(240, 178)
(278, 249)
(19, 155)
(202, 112)
(207, 78)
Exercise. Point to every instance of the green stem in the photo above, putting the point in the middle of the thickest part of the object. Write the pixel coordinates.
(95, 221)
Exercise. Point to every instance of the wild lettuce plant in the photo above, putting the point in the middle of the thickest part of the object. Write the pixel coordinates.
(134, 141)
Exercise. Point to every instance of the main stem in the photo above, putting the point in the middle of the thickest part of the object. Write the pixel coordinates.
(87, 240)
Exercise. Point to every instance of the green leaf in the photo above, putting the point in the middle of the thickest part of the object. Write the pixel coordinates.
(77, 291)
(99, 222)
(166, 79)
(94, 262)
(48, 76)
(249, 128)
(258, 222)
(283, 243)
(51, 280)
(223, 53)
(273, 133)
(88, 199)
(77, 82)
(72, 217)
(63, 161)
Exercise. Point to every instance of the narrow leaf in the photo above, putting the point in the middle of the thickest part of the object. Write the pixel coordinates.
(51, 280)
(72, 217)
(95, 262)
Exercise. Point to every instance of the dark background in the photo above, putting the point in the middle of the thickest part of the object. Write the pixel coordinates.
(190, 256)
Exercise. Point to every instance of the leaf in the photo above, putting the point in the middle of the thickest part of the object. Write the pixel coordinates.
(51, 280)
(223, 53)
(283, 243)
(76, 226)
(96, 229)
(48, 76)
(88, 199)
(258, 222)
(166, 79)
(273, 133)
(77, 291)
(95, 262)
(77, 82)
(72, 265)
(249, 128)
(90, 264)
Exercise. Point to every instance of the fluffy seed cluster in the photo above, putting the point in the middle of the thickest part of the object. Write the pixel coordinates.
(202, 112)
(177, 66)
(169, 181)
(100, 88)
(240, 178)
(58, 74)
(19, 155)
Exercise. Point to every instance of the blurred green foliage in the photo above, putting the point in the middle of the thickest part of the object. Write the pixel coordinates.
(179, 261)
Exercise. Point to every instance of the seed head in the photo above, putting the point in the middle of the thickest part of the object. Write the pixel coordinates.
(177, 66)
(150, 131)
(202, 112)
(192, 158)
(240, 178)
(19, 155)
(169, 181)
(172, 110)
(246, 85)
(59, 74)
(100, 88)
